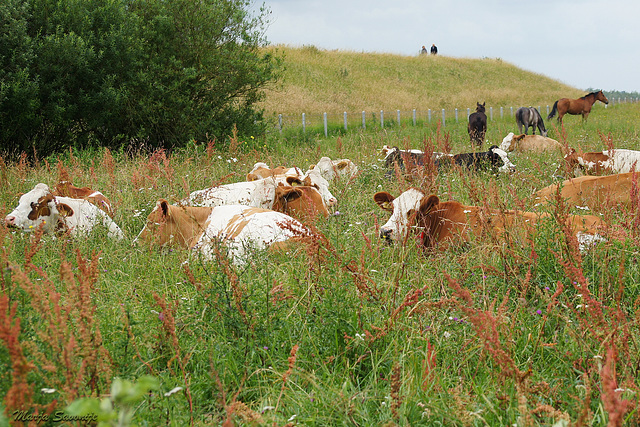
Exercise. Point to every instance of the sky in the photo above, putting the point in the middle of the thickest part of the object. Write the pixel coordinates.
(585, 44)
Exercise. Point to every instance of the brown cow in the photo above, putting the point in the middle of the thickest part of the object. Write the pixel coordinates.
(595, 192)
(444, 223)
(530, 143)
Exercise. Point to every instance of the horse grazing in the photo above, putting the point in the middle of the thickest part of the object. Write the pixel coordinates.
(530, 117)
(577, 106)
(477, 125)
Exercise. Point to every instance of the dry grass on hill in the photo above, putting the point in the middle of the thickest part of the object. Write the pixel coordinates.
(334, 81)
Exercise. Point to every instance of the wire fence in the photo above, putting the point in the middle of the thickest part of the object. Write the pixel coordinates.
(382, 118)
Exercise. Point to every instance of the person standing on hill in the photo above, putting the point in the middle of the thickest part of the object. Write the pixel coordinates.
(434, 49)
(423, 51)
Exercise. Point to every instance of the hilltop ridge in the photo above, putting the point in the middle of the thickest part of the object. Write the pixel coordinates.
(318, 80)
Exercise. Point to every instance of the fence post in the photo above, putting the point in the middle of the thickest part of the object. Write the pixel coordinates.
(414, 117)
(511, 108)
(429, 114)
(547, 110)
(491, 113)
(280, 122)
(443, 117)
(381, 119)
(345, 120)
(398, 113)
(364, 121)
(501, 113)
(324, 119)
(468, 113)
(304, 123)
(456, 110)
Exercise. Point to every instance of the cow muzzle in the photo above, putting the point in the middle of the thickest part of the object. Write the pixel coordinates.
(385, 233)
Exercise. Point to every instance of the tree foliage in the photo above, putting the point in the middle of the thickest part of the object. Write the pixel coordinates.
(115, 73)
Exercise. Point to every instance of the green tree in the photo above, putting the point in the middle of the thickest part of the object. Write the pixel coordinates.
(155, 73)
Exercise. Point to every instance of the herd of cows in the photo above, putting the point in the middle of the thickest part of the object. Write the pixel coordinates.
(270, 208)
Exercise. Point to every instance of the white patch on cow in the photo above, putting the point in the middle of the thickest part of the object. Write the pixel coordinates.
(506, 142)
(398, 224)
(243, 230)
(508, 166)
(622, 160)
(323, 186)
(586, 241)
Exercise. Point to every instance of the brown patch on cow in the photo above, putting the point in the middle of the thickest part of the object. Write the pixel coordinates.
(181, 225)
(64, 209)
(67, 189)
(301, 202)
(238, 222)
(40, 208)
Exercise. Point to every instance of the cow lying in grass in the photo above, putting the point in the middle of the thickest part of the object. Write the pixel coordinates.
(441, 224)
(412, 158)
(594, 192)
(494, 159)
(604, 162)
(58, 214)
(294, 198)
(233, 229)
(312, 178)
(530, 144)
(335, 169)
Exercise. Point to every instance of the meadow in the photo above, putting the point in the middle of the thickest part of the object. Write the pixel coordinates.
(341, 330)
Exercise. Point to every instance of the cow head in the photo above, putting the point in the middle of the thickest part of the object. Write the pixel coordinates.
(174, 225)
(500, 160)
(331, 169)
(37, 207)
(299, 200)
(314, 178)
(403, 210)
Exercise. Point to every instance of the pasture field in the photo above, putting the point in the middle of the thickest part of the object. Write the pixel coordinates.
(341, 330)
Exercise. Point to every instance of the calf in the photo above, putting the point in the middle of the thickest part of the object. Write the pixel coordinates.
(240, 229)
(57, 214)
(530, 144)
(609, 161)
(67, 189)
(267, 193)
(598, 193)
(444, 223)
(495, 159)
(334, 169)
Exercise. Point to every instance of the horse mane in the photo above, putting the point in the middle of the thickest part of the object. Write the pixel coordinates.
(589, 94)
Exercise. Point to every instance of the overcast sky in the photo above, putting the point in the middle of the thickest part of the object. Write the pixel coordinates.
(585, 44)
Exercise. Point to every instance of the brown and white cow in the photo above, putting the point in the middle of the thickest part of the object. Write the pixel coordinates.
(262, 170)
(67, 189)
(57, 214)
(618, 160)
(240, 229)
(294, 198)
(594, 192)
(530, 144)
(441, 224)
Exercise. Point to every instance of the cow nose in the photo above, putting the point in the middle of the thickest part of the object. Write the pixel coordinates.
(10, 221)
(332, 202)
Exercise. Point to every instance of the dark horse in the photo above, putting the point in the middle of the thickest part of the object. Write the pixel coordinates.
(530, 117)
(577, 106)
(477, 125)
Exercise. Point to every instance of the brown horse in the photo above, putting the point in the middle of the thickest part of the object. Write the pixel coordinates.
(577, 106)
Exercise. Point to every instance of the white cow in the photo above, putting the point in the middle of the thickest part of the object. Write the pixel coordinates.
(333, 169)
(57, 213)
(236, 229)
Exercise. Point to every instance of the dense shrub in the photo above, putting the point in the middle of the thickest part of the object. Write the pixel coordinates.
(113, 73)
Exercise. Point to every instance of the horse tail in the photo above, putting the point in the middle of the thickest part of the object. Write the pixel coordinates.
(554, 110)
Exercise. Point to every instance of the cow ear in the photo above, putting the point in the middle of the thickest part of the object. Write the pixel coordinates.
(312, 167)
(384, 200)
(293, 181)
(164, 207)
(64, 209)
(428, 204)
(289, 194)
(343, 164)
(252, 177)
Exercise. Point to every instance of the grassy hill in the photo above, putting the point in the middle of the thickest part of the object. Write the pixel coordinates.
(334, 81)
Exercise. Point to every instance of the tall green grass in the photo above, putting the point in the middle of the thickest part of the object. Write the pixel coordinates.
(343, 330)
